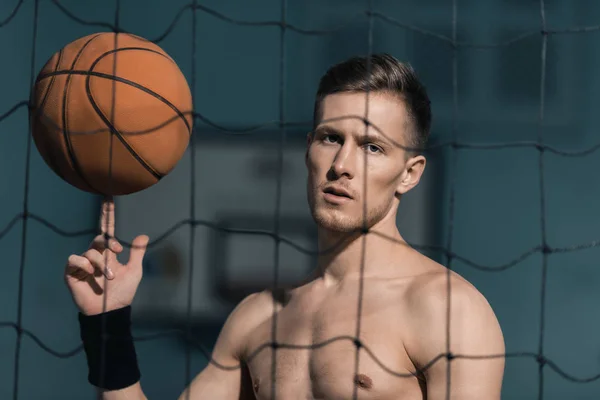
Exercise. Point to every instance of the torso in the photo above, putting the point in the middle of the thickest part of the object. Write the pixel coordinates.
(327, 321)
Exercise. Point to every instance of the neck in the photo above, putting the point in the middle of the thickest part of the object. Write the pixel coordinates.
(350, 256)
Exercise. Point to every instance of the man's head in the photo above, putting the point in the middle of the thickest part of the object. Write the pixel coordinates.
(372, 118)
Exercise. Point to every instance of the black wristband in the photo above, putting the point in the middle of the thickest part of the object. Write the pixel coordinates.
(109, 348)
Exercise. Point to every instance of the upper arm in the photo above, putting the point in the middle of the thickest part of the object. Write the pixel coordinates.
(226, 377)
(474, 334)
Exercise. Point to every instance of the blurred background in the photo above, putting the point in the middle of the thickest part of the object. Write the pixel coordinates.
(482, 204)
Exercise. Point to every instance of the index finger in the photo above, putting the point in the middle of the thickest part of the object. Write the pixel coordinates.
(107, 217)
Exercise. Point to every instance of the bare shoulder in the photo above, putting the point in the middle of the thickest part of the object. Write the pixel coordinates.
(450, 326)
(254, 307)
(440, 297)
(430, 291)
(253, 310)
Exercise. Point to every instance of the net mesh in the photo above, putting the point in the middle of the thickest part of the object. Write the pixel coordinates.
(25, 217)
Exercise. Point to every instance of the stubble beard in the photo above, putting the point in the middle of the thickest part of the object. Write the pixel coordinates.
(347, 218)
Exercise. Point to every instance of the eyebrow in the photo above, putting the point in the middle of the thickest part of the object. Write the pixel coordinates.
(377, 136)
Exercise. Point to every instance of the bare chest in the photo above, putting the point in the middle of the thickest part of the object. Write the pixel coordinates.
(315, 355)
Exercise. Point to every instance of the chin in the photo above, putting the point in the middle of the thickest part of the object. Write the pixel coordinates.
(337, 221)
(338, 225)
(343, 220)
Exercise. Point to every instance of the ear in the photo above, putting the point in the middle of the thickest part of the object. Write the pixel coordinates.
(413, 170)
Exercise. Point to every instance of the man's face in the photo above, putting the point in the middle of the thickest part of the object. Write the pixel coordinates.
(350, 163)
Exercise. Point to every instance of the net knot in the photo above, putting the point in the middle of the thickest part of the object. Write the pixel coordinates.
(540, 147)
(274, 345)
(357, 343)
(546, 249)
(450, 356)
(541, 360)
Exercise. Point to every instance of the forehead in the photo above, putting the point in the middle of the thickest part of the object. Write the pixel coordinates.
(344, 111)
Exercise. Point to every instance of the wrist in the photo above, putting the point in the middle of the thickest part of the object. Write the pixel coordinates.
(101, 310)
(109, 349)
(116, 319)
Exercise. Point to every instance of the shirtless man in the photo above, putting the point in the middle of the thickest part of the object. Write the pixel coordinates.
(401, 347)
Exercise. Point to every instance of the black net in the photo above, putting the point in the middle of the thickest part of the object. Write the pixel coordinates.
(370, 14)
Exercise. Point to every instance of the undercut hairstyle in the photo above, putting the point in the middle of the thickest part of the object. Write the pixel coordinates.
(381, 73)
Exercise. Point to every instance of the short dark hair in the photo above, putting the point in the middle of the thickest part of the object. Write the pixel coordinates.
(380, 73)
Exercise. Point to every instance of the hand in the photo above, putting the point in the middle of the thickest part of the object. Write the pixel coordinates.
(97, 273)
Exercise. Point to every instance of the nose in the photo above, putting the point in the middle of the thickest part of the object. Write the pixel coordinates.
(344, 164)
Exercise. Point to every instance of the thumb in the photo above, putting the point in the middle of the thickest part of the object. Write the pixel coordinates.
(138, 249)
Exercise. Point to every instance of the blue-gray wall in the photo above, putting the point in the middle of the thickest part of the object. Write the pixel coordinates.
(497, 199)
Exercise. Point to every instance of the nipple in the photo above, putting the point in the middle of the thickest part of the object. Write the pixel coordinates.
(363, 381)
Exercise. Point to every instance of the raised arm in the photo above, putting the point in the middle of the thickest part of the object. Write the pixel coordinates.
(474, 331)
(103, 290)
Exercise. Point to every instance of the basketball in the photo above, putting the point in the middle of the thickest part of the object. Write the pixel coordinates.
(111, 113)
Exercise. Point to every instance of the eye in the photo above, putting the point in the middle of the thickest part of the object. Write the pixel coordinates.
(330, 138)
(372, 148)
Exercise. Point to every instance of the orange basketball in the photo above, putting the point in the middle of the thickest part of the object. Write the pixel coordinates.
(111, 113)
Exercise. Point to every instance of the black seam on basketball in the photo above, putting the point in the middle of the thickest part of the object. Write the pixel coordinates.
(40, 110)
(128, 146)
(114, 130)
(66, 134)
(131, 35)
(137, 85)
(108, 123)
(126, 81)
(41, 77)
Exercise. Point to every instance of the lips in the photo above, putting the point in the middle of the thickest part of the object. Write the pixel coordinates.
(337, 191)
